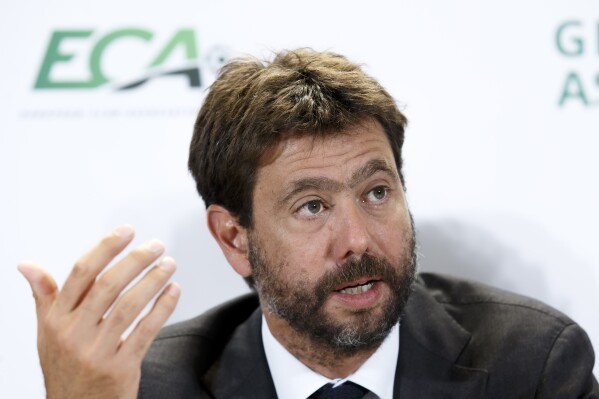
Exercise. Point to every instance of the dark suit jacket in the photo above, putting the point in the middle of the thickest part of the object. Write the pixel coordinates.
(458, 340)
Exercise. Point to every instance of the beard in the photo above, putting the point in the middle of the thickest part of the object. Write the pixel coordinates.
(302, 304)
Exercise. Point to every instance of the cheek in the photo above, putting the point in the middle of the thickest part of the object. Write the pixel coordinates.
(394, 235)
(284, 247)
(295, 239)
(304, 255)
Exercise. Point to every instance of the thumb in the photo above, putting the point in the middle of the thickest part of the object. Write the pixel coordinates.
(42, 284)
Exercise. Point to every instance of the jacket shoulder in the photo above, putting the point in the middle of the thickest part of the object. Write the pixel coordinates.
(520, 341)
(455, 293)
(184, 351)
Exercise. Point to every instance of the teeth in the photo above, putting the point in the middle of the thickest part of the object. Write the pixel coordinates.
(360, 289)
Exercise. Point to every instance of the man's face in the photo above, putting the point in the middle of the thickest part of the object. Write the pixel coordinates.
(332, 244)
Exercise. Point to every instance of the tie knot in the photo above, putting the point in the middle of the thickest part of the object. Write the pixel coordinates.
(347, 390)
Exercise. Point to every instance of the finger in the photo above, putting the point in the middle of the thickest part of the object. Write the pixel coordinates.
(138, 342)
(130, 304)
(88, 267)
(42, 284)
(109, 286)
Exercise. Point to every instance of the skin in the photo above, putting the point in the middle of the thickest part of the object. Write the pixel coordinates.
(81, 349)
(305, 230)
(316, 205)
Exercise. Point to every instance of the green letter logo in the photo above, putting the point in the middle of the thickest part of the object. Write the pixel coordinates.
(578, 47)
(573, 89)
(184, 38)
(53, 56)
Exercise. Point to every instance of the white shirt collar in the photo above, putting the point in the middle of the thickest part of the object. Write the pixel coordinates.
(294, 380)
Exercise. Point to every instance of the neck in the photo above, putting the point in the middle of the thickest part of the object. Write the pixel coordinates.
(318, 356)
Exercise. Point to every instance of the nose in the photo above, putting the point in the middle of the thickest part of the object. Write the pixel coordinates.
(351, 237)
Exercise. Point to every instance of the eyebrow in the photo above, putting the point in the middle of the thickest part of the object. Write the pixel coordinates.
(325, 184)
(311, 183)
(372, 167)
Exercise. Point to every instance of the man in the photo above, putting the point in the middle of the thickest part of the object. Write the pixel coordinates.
(299, 164)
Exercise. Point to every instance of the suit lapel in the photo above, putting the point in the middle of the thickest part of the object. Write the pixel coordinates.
(242, 370)
(431, 342)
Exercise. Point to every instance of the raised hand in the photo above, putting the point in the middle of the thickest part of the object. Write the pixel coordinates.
(80, 327)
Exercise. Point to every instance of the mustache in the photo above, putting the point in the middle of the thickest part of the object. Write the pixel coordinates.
(355, 268)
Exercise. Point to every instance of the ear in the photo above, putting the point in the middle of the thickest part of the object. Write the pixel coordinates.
(231, 237)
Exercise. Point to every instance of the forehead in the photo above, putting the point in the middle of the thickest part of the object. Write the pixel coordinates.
(335, 153)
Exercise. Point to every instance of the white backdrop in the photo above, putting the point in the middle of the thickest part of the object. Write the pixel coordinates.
(499, 158)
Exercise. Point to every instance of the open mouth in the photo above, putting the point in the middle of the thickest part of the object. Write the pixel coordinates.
(358, 288)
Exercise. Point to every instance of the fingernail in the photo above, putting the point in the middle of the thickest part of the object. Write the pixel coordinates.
(156, 246)
(173, 290)
(168, 264)
(124, 231)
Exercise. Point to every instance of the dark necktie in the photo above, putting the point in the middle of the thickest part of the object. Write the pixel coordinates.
(347, 390)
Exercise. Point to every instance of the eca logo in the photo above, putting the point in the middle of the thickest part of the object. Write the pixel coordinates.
(156, 55)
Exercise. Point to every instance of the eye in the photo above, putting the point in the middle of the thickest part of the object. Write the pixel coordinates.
(311, 208)
(377, 194)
